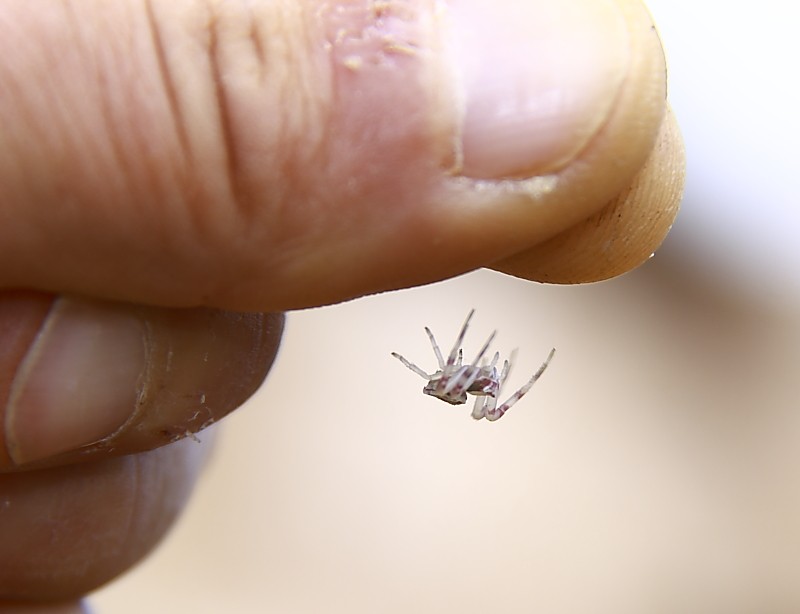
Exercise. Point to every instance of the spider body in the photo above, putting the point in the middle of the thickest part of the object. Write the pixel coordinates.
(432, 388)
(453, 381)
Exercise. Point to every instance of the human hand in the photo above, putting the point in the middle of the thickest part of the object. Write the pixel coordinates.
(173, 158)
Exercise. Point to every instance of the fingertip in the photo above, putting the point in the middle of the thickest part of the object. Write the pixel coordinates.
(624, 234)
(106, 378)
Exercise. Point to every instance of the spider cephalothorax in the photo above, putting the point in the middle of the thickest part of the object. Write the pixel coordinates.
(454, 380)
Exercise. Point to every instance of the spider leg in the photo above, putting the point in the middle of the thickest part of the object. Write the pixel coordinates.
(412, 366)
(486, 402)
(453, 382)
(483, 406)
(452, 374)
(476, 369)
(495, 413)
(451, 359)
(491, 365)
(462, 379)
(484, 349)
(507, 365)
(476, 374)
(436, 349)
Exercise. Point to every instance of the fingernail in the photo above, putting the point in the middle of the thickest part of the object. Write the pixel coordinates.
(78, 383)
(539, 79)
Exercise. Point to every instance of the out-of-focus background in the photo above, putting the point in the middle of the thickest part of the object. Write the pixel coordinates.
(655, 467)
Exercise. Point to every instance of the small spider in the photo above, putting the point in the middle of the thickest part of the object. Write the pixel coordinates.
(454, 380)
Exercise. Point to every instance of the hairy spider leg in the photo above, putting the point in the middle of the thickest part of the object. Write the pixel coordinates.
(495, 413)
(412, 366)
(451, 358)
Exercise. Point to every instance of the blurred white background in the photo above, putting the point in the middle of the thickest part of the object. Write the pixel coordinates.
(655, 467)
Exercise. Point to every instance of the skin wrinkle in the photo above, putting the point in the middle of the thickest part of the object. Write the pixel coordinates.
(260, 51)
(296, 113)
(302, 109)
(202, 190)
(223, 109)
(362, 52)
(314, 110)
(93, 62)
(164, 75)
(261, 115)
(316, 107)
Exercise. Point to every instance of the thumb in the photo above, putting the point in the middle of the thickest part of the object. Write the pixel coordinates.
(269, 155)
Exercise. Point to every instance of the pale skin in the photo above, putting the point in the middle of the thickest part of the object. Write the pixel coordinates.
(163, 167)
